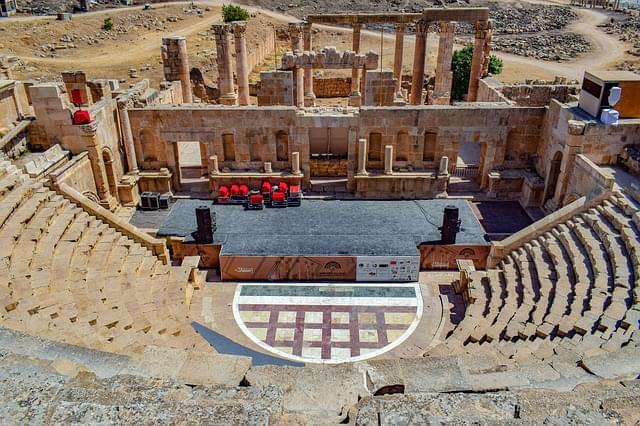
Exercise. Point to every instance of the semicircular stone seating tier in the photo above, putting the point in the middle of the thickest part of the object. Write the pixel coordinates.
(67, 276)
(574, 291)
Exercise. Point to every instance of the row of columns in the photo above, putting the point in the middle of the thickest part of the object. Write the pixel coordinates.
(388, 160)
(300, 33)
(214, 167)
(606, 4)
(223, 34)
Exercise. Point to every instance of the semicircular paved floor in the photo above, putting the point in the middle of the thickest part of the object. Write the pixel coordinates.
(327, 323)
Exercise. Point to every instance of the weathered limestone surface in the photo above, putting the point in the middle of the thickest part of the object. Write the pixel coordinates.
(176, 64)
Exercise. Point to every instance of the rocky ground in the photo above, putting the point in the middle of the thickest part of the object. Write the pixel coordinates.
(523, 29)
(627, 28)
(547, 47)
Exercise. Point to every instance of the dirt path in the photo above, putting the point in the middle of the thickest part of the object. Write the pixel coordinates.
(606, 50)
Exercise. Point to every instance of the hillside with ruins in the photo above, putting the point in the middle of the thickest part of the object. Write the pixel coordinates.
(318, 213)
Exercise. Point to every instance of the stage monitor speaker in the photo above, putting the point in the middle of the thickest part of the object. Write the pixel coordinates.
(204, 234)
(450, 225)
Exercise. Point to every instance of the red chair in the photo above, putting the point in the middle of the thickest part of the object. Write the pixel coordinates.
(278, 199)
(82, 117)
(255, 202)
(223, 195)
(295, 196)
(266, 187)
(283, 187)
(244, 190)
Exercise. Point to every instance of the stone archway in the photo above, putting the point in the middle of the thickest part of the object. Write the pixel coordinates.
(553, 177)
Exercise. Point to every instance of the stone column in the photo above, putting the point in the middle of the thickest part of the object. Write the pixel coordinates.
(242, 64)
(444, 75)
(127, 135)
(419, 60)
(89, 132)
(309, 96)
(486, 51)
(355, 98)
(397, 55)
(214, 168)
(388, 159)
(223, 57)
(295, 163)
(176, 64)
(295, 31)
(362, 157)
(483, 29)
(444, 166)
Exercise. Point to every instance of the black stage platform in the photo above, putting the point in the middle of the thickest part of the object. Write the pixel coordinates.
(326, 228)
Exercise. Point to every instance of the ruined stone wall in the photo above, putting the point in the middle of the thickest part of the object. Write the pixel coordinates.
(587, 179)
(500, 130)
(78, 175)
(243, 139)
(534, 95)
(9, 113)
(332, 87)
(275, 88)
(489, 91)
(379, 88)
(505, 134)
(264, 48)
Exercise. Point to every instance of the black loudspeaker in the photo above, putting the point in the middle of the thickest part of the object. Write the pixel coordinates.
(150, 201)
(450, 225)
(206, 225)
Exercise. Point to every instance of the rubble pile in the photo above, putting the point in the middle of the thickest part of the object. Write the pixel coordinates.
(627, 28)
(548, 47)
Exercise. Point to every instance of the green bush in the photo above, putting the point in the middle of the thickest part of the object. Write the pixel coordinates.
(231, 12)
(107, 24)
(461, 67)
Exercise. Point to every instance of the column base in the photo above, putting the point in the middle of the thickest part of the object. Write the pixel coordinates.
(110, 203)
(355, 99)
(440, 100)
(309, 100)
(365, 173)
(228, 99)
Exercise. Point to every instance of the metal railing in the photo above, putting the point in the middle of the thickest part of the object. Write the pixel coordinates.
(465, 171)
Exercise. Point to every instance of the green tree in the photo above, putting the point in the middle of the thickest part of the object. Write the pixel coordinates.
(107, 24)
(461, 67)
(231, 12)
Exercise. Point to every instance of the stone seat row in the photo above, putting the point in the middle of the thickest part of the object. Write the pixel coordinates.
(66, 275)
(577, 285)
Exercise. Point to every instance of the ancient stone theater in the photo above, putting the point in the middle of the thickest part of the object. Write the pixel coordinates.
(253, 253)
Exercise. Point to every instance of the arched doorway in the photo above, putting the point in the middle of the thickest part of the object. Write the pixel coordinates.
(107, 158)
(554, 174)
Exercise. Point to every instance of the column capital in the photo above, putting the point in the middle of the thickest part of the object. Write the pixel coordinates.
(221, 29)
(422, 27)
(447, 27)
(124, 102)
(483, 25)
(357, 26)
(296, 28)
(306, 26)
(239, 28)
(400, 27)
(89, 129)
